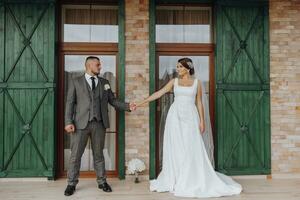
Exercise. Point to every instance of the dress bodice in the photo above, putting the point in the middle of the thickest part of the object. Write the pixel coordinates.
(185, 93)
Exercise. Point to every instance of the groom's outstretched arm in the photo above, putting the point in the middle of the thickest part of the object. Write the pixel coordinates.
(116, 103)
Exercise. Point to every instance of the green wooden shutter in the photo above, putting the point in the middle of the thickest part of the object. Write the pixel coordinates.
(27, 88)
(1, 82)
(243, 89)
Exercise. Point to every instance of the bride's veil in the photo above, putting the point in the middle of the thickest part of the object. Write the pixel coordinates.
(207, 135)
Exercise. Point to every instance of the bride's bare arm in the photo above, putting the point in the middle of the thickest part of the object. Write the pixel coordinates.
(200, 106)
(168, 87)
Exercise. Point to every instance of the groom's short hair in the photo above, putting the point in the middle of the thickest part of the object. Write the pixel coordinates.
(91, 58)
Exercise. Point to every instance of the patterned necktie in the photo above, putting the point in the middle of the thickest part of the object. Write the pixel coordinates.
(93, 83)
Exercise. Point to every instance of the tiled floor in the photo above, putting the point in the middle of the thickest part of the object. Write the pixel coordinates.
(254, 189)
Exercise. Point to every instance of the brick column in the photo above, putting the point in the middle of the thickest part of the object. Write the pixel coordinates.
(137, 79)
(285, 85)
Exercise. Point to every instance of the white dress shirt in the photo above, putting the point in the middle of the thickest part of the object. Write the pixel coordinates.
(89, 80)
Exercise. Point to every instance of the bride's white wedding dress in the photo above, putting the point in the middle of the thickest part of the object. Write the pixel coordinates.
(186, 169)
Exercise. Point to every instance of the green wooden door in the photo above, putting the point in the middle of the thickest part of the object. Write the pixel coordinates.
(27, 98)
(242, 89)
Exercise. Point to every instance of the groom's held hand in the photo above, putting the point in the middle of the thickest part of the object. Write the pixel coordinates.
(132, 106)
(70, 128)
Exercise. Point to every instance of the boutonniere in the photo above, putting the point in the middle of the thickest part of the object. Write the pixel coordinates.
(106, 87)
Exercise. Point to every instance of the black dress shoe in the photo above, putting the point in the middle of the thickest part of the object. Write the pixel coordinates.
(70, 190)
(105, 187)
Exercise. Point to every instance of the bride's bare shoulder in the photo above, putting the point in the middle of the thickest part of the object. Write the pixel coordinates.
(199, 83)
(172, 81)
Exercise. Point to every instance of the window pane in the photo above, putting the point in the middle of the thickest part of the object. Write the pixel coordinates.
(90, 23)
(87, 164)
(180, 24)
(167, 71)
(74, 67)
(167, 67)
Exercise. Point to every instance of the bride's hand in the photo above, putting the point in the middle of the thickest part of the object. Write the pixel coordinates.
(202, 127)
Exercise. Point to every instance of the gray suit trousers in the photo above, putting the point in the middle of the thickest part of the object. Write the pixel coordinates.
(96, 131)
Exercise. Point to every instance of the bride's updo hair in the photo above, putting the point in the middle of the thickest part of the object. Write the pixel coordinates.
(188, 64)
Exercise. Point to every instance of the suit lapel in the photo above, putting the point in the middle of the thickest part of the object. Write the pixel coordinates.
(85, 85)
(100, 87)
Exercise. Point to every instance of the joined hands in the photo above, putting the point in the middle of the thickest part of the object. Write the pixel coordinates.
(132, 106)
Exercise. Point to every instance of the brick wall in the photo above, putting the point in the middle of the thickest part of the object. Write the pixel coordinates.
(285, 85)
(137, 79)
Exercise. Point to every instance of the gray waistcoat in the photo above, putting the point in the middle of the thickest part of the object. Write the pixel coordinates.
(95, 105)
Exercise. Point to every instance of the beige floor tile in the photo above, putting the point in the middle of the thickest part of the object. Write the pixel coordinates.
(258, 189)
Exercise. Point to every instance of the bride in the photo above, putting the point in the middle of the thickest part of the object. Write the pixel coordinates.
(187, 170)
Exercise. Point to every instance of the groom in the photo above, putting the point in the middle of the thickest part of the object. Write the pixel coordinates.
(86, 115)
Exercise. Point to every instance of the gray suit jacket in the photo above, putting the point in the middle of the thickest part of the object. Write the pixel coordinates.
(78, 99)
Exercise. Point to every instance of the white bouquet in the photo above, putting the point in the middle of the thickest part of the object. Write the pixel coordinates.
(134, 166)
